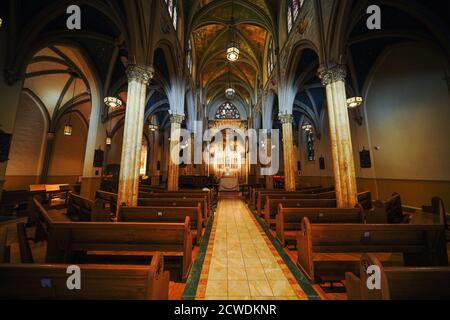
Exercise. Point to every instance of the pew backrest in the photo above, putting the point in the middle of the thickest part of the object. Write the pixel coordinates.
(289, 219)
(421, 245)
(79, 208)
(164, 214)
(108, 198)
(176, 202)
(297, 203)
(365, 200)
(111, 282)
(399, 283)
(271, 201)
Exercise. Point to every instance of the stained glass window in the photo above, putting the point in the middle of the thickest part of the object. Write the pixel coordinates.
(293, 11)
(270, 58)
(189, 56)
(289, 19)
(173, 11)
(310, 145)
(228, 111)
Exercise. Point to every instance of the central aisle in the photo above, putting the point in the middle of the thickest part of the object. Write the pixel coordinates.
(241, 262)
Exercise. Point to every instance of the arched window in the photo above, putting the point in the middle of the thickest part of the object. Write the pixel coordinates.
(228, 111)
(189, 56)
(293, 11)
(173, 11)
(310, 145)
(270, 58)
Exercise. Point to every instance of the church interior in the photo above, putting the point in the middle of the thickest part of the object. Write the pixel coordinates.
(224, 149)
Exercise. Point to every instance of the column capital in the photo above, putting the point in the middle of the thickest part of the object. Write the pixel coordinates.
(332, 74)
(286, 118)
(176, 118)
(139, 73)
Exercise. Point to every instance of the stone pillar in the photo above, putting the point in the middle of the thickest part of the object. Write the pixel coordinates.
(269, 179)
(288, 151)
(174, 151)
(138, 79)
(341, 145)
(155, 145)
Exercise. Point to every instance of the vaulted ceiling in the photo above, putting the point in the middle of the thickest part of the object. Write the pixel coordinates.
(210, 25)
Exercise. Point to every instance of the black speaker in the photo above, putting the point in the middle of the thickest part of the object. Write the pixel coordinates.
(364, 159)
(299, 166)
(5, 145)
(322, 163)
(98, 158)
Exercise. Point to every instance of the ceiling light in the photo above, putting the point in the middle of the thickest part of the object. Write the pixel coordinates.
(233, 52)
(354, 102)
(230, 93)
(113, 103)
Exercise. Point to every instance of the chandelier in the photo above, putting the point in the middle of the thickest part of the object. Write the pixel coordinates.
(233, 46)
(307, 127)
(113, 103)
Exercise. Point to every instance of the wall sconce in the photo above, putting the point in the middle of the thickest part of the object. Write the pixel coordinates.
(354, 102)
(108, 141)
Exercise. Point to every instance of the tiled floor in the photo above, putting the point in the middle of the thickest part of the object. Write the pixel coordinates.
(240, 261)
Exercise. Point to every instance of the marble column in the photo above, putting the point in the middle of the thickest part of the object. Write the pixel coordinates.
(156, 146)
(138, 79)
(269, 179)
(174, 151)
(341, 145)
(288, 151)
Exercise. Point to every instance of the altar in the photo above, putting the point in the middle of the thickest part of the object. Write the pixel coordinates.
(229, 184)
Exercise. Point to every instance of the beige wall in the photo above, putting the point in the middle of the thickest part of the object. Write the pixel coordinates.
(114, 152)
(67, 158)
(406, 115)
(27, 148)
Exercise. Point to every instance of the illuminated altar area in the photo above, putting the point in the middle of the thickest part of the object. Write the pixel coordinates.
(228, 158)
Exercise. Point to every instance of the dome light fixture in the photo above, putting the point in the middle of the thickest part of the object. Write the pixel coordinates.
(68, 129)
(113, 103)
(307, 127)
(354, 102)
(233, 52)
(230, 93)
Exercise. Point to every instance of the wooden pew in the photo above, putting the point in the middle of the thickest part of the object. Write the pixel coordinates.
(270, 199)
(261, 195)
(389, 211)
(288, 220)
(98, 282)
(365, 200)
(256, 191)
(179, 194)
(176, 202)
(399, 283)
(26, 256)
(4, 248)
(421, 245)
(271, 211)
(72, 241)
(166, 214)
(109, 200)
(83, 209)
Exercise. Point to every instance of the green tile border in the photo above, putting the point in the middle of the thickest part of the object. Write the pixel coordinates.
(190, 290)
(299, 276)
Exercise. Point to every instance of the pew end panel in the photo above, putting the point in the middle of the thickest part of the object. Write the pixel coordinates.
(305, 250)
